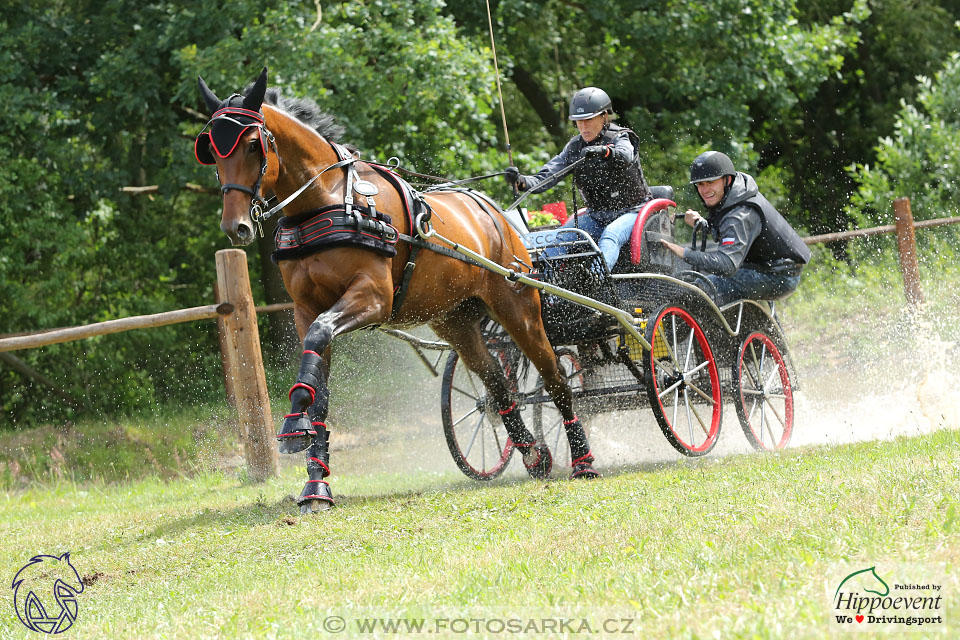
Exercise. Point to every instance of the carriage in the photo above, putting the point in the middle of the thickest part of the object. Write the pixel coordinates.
(649, 335)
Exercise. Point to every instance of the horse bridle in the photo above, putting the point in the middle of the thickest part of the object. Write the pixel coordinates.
(257, 201)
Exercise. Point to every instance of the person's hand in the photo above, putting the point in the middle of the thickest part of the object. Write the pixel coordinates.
(692, 217)
(676, 249)
(513, 177)
(598, 151)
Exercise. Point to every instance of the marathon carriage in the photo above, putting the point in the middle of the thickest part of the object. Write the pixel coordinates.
(648, 335)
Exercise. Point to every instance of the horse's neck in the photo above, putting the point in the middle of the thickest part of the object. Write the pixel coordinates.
(304, 153)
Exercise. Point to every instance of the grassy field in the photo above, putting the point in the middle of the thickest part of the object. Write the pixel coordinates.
(743, 546)
(174, 543)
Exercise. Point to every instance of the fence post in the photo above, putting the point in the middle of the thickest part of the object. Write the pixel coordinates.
(907, 247)
(245, 364)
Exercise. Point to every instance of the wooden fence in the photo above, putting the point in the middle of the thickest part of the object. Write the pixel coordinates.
(235, 312)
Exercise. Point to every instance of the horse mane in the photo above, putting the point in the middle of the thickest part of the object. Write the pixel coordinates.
(306, 111)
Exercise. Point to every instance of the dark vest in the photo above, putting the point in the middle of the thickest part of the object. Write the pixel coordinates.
(607, 185)
(777, 239)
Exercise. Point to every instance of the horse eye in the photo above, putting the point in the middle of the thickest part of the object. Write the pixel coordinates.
(254, 145)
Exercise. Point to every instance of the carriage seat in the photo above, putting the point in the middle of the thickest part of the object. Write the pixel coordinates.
(662, 191)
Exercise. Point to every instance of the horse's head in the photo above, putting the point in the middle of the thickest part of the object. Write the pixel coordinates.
(237, 140)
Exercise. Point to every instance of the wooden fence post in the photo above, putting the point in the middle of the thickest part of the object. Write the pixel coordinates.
(245, 364)
(907, 246)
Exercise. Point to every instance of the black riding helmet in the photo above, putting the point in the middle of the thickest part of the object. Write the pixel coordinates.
(588, 103)
(711, 165)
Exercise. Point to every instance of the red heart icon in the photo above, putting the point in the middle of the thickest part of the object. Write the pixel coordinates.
(859, 618)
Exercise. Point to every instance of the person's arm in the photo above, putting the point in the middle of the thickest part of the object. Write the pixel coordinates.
(738, 229)
(540, 181)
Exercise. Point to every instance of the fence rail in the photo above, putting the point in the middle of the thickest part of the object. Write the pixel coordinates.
(240, 338)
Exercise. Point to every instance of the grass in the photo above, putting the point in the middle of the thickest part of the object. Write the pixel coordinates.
(735, 547)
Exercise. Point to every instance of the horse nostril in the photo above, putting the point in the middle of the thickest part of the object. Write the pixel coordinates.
(244, 232)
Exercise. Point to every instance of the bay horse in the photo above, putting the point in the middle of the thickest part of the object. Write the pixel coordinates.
(345, 265)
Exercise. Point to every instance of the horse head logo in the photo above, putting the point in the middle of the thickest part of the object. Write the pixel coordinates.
(42, 577)
(867, 578)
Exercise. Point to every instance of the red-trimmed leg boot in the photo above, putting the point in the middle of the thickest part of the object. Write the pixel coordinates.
(536, 457)
(582, 459)
(583, 468)
(316, 494)
(297, 431)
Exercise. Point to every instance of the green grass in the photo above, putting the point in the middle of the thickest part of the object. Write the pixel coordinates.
(734, 547)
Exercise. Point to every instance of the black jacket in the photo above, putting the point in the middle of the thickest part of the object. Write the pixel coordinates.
(606, 184)
(751, 233)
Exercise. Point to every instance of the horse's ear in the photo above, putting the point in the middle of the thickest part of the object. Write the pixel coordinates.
(209, 97)
(254, 99)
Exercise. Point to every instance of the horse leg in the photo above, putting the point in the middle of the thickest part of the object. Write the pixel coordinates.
(514, 313)
(305, 426)
(459, 328)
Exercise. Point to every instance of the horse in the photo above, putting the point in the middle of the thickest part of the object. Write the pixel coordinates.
(347, 265)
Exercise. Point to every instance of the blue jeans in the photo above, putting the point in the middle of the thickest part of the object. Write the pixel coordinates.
(753, 285)
(609, 238)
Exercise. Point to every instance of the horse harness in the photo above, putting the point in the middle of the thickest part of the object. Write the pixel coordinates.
(349, 224)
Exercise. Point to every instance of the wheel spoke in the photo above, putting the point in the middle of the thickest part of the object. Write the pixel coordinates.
(776, 413)
(701, 393)
(476, 430)
(686, 403)
(670, 388)
(465, 393)
(706, 431)
(465, 416)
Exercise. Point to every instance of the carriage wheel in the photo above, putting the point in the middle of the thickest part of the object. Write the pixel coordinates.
(547, 422)
(764, 396)
(475, 434)
(683, 382)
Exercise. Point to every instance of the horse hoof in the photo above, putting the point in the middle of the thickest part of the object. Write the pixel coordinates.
(538, 460)
(314, 506)
(584, 471)
(296, 434)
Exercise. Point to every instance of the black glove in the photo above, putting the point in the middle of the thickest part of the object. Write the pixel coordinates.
(598, 151)
(513, 177)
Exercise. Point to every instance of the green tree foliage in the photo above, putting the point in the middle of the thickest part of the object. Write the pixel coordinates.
(100, 96)
(921, 160)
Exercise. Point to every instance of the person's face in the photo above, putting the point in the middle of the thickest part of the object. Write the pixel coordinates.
(712, 191)
(591, 127)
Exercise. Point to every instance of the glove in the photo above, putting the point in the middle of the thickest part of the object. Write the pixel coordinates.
(513, 177)
(598, 151)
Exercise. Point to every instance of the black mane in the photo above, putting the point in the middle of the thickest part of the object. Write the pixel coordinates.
(306, 111)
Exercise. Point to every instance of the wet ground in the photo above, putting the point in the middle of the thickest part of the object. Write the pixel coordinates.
(909, 389)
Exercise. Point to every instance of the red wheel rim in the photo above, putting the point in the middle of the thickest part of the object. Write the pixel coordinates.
(757, 396)
(689, 391)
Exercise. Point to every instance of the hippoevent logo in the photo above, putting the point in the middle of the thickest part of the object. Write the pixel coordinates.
(870, 600)
(45, 593)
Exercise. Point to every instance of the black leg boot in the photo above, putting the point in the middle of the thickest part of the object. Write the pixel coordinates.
(536, 456)
(316, 494)
(580, 456)
(297, 430)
